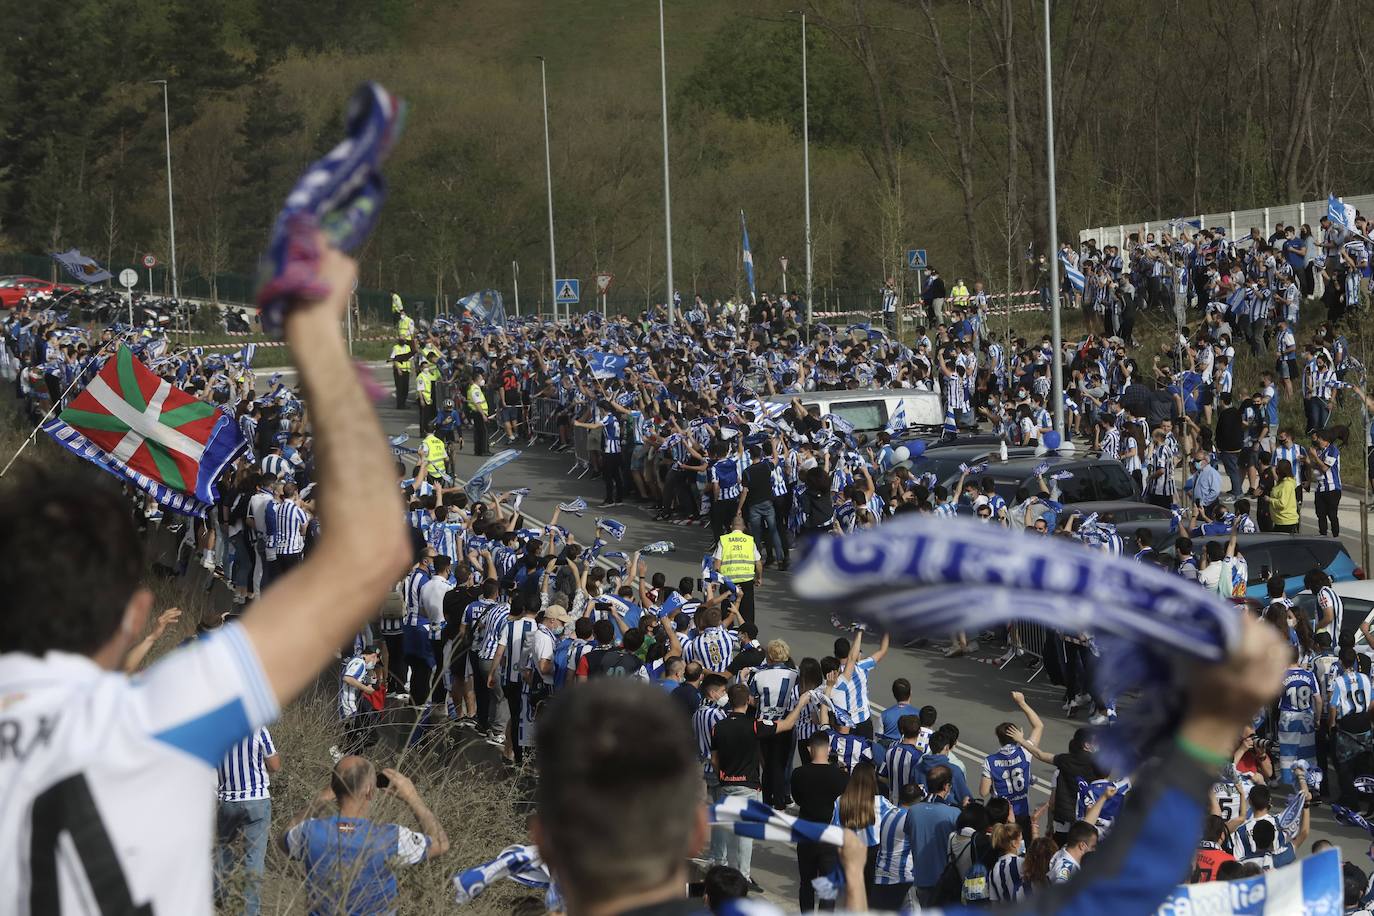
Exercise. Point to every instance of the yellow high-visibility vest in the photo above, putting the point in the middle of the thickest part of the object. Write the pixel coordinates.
(477, 399)
(401, 364)
(435, 455)
(737, 556)
(396, 306)
(959, 294)
(405, 326)
(424, 384)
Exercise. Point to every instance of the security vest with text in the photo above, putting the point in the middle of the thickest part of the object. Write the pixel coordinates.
(436, 456)
(477, 399)
(737, 556)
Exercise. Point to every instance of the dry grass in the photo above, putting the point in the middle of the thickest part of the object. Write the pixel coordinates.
(481, 808)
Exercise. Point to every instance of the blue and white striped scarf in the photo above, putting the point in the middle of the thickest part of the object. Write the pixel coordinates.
(521, 864)
(576, 507)
(612, 527)
(751, 818)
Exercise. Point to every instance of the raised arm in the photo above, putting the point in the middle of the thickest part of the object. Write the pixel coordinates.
(1037, 727)
(363, 548)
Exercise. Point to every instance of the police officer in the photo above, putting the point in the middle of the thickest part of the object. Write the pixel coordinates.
(405, 326)
(477, 407)
(738, 559)
(424, 393)
(401, 355)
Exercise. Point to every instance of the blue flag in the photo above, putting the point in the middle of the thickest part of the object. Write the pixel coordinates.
(748, 258)
(486, 307)
(83, 268)
(1074, 275)
(1340, 212)
(896, 424)
(605, 365)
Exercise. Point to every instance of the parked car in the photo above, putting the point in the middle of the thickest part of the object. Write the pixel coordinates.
(1093, 480)
(869, 411)
(14, 290)
(1357, 607)
(1129, 517)
(944, 461)
(1291, 556)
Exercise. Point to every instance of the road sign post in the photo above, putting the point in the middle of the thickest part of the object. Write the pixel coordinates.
(915, 259)
(603, 285)
(149, 262)
(783, 261)
(128, 278)
(567, 291)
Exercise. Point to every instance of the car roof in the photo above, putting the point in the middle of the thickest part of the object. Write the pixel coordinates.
(1024, 465)
(1355, 588)
(855, 394)
(1101, 506)
(1273, 537)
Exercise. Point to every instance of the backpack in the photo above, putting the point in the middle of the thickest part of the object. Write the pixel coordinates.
(967, 884)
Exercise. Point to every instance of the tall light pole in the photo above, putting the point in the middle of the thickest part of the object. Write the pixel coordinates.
(667, 195)
(548, 177)
(1056, 335)
(806, 166)
(171, 213)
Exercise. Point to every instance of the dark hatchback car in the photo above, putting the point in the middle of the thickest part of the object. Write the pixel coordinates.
(944, 461)
(1129, 517)
(1093, 480)
(1289, 555)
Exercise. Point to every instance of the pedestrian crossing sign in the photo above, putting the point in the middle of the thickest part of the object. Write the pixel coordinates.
(568, 291)
(916, 259)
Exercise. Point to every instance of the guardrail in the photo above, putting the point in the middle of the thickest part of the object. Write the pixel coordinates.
(581, 452)
(1029, 639)
(543, 417)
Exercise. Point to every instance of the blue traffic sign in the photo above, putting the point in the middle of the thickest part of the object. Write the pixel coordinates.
(568, 291)
(915, 259)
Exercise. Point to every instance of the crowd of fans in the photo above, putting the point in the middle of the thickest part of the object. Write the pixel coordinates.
(700, 420)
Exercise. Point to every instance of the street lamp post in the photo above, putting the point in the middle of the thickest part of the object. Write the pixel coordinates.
(548, 177)
(667, 195)
(171, 212)
(806, 167)
(1056, 334)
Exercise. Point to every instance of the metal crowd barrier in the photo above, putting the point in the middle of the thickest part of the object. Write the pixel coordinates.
(581, 452)
(543, 414)
(1029, 639)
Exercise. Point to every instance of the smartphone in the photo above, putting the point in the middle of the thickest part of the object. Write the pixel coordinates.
(383, 781)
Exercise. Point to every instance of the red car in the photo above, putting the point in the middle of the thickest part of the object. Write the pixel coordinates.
(15, 289)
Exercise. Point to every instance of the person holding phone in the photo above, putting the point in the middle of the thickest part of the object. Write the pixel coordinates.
(349, 857)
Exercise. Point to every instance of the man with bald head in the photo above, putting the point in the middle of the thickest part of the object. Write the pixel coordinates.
(348, 857)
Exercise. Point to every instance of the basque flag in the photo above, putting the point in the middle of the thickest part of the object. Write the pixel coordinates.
(151, 434)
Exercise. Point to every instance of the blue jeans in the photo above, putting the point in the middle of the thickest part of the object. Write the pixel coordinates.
(739, 850)
(760, 515)
(1230, 462)
(254, 820)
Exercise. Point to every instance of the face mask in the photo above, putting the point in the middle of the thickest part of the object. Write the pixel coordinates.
(722, 700)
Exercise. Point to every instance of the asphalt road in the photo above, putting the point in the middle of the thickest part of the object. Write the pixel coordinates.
(973, 695)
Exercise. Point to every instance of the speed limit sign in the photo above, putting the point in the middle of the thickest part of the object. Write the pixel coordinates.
(149, 261)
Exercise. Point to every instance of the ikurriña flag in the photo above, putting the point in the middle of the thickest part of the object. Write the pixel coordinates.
(146, 431)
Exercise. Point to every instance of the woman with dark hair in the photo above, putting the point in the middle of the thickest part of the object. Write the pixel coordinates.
(862, 808)
(1282, 499)
(1035, 870)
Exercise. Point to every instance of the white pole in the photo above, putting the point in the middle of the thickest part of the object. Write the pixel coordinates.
(515, 278)
(806, 167)
(548, 177)
(352, 300)
(171, 212)
(1056, 335)
(667, 195)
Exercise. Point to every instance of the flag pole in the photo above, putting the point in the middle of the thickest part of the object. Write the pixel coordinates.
(47, 416)
(1056, 333)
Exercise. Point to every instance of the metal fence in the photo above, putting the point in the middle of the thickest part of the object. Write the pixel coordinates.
(1237, 223)
(543, 413)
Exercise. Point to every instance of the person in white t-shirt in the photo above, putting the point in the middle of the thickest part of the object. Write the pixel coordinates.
(1080, 840)
(107, 782)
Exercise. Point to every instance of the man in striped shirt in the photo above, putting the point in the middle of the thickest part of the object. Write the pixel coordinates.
(850, 696)
(1325, 458)
(704, 721)
(1318, 388)
(292, 520)
(505, 675)
(714, 646)
(899, 766)
(245, 808)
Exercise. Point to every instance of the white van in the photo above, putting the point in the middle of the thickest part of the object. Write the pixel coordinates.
(870, 409)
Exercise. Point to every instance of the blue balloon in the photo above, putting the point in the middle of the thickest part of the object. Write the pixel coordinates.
(917, 448)
(1052, 440)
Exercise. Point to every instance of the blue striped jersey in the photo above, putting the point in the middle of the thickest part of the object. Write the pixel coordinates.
(703, 727)
(291, 523)
(713, 647)
(808, 720)
(1330, 602)
(1005, 881)
(1010, 772)
(493, 627)
(445, 538)
(410, 591)
(725, 475)
(243, 771)
(774, 690)
(420, 518)
(1350, 692)
(1290, 453)
(850, 749)
(1110, 444)
(1299, 690)
(900, 768)
(894, 864)
(277, 466)
(1329, 471)
(473, 614)
(611, 441)
(355, 668)
(871, 834)
(850, 695)
(513, 637)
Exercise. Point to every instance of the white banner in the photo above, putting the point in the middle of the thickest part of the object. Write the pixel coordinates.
(1310, 887)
